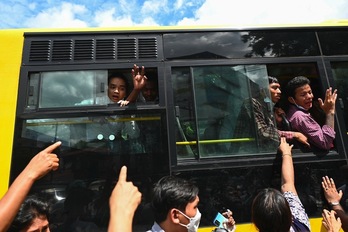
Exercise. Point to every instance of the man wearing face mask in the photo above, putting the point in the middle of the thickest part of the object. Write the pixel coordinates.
(300, 96)
(175, 205)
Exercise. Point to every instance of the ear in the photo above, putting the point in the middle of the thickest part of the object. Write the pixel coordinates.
(291, 100)
(174, 216)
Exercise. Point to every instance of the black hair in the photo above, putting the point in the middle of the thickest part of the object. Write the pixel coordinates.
(119, 75)
(295, 83)
(33, 207)
(271, 211)
(172, 192)
(272, 80)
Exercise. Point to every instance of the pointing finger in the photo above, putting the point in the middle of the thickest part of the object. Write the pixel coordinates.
(123, 174)
(51, 148)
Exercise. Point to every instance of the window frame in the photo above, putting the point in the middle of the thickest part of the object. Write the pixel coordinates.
(252, 160)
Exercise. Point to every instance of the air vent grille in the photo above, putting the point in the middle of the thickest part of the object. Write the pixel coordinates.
(84, 49)
(40, 50)
(126, 48)
(147, 48)
(105, 49)
(91, 49)
(62, 50)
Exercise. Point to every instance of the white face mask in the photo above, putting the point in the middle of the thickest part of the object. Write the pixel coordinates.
(299, 107)
(192, 226)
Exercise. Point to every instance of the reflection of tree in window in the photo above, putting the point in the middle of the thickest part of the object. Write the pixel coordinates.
(279, 44)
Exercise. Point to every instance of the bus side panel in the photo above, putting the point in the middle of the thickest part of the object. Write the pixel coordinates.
(11, 46)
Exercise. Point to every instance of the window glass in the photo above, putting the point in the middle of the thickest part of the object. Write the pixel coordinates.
(113, 132)
(340, 73)
(239, 44)
(333, 42)
(219, 112)
(67, 88)
(184, 113)
(92, 152)
(84, 88)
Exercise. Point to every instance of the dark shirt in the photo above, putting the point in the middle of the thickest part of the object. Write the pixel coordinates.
(254, 114)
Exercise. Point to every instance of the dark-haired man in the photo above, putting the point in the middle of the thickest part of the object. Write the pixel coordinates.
(300, 96)
(32, 216)
(175, 205)
(279, 114)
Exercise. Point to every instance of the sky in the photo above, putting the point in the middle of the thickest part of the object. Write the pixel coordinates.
(125, 13)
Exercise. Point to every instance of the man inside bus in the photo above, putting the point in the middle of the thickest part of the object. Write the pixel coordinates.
(269, 134)
(255, 119)
(279, 114)
(118, 88)
(300, 96)
(149, 93)
(117, 92)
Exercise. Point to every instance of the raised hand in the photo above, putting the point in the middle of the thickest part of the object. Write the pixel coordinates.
(330, 222)
(330, 191)
(328, 106)
(124, 200)
(43, 162)
(139, 78)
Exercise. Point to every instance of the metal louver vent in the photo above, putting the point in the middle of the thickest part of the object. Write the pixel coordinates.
(126, 48)
(39, 50)
(83, 50)
(91, 48)
(61, 50)
(147, 48)
(105, 49)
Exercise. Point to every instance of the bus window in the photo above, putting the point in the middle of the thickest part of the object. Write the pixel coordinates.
(66, 88)
(333, 42)
(184, 113)
(212, 114)
(125, 137)
(285, 72)
(340, 72)
(81, 132)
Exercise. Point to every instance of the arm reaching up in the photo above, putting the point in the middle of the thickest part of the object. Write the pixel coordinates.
(288, 176)
(42, 163)
(333, 197)
(124, 200)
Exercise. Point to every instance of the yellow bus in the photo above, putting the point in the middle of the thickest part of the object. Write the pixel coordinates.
(52, 81)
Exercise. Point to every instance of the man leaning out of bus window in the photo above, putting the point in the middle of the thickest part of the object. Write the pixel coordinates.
(118, 88)
(300, 96)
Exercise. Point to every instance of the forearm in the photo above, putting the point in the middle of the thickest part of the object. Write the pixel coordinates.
(121, 221)
(330, 120)
(342, 215)
(12, 200)
(288, 176)
(133, 95)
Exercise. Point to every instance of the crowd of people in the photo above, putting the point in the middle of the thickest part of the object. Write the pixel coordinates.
(175, 200)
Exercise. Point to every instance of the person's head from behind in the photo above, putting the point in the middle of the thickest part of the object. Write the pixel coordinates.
(117, 87)
(299, 92)
(32, 216)
(175, 202)
(274, 88)
(150, 90)
(271, 212)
